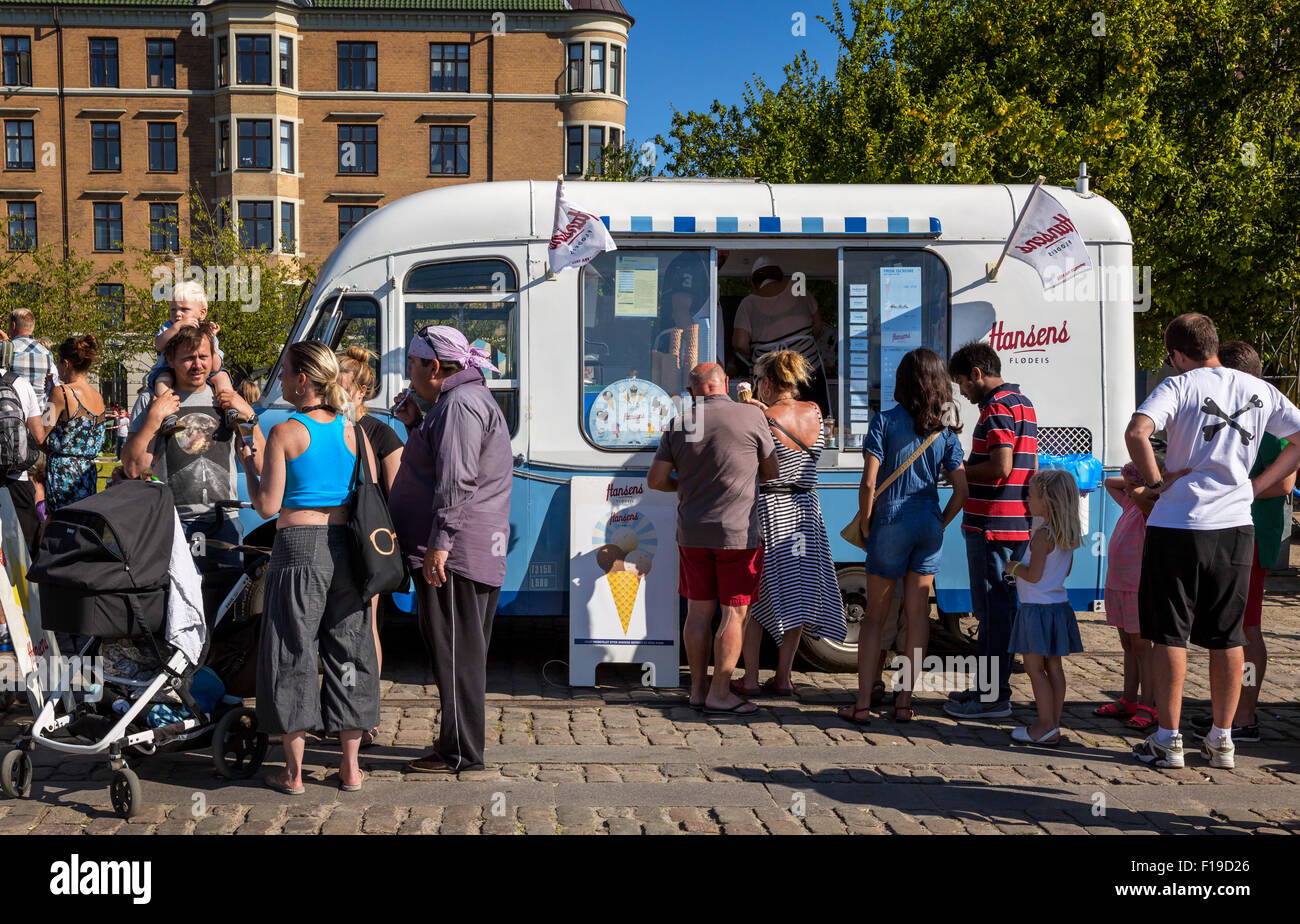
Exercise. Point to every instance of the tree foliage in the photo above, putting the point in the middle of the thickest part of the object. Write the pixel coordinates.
(1185, 110)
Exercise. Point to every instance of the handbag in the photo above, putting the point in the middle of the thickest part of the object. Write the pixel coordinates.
(378, 560)
(852, 534)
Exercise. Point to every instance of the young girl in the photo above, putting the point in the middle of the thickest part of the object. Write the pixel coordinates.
(1045, 629)
(1123, 569)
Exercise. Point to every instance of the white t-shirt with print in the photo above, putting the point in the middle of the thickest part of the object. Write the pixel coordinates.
(31, 407)
(1215, 417)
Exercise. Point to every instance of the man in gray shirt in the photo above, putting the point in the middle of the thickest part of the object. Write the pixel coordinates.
(451, 508)
(720, 450)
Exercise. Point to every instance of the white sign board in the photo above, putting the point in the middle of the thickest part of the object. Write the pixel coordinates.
(623, 603)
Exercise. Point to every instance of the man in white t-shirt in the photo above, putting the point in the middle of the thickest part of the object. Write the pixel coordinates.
(1200, 538)
(21, 490)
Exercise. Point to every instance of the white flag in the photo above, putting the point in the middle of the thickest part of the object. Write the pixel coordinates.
(578, 236)
(1046, 239)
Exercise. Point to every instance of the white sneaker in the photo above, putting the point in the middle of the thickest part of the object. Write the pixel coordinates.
(1168, 756)
(1221, 753)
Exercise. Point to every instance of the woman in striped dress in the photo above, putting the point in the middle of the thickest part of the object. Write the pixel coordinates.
(799, 591)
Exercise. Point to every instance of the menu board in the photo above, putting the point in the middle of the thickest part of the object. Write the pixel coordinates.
(630, 413)
(636, 286)
(900, 323)
(857, 364)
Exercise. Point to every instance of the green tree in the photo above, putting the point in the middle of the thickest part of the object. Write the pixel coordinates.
(626, 163)
(1185, 111)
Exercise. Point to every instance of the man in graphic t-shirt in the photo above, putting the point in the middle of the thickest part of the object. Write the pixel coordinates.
(197, 462)
(1200, 538)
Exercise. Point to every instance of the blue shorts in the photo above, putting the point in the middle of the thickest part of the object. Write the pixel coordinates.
(910, 543)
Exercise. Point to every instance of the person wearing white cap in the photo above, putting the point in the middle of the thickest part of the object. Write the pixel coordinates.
(450, 504)
(775, 318)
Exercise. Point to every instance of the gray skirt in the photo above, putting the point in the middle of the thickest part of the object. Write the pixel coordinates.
(313, 609)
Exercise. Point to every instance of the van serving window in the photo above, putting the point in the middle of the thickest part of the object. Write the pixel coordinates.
(463, 276)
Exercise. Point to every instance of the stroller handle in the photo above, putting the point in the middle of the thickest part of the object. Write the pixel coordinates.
(233, 505)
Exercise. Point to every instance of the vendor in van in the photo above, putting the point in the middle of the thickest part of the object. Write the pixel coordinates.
(677, 349)
(774, 318)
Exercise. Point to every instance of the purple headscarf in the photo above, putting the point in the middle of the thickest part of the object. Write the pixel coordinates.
(446, 344)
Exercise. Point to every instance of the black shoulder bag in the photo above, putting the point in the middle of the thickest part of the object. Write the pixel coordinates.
(378, 560)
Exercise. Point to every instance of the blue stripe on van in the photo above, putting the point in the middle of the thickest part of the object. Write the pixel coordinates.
(812, 225)
(642, 223)
(772, 224)
(729, 225)
(604, 219)
(768, 224)
(683, 225)
(857, 224)
(899, 225)
(935, 227)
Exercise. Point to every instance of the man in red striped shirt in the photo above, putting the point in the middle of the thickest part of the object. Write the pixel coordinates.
(995, 520)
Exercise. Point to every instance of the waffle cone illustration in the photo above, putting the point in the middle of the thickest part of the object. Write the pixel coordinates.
(623, 586)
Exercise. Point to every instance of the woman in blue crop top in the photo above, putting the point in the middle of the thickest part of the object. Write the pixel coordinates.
(312, 601)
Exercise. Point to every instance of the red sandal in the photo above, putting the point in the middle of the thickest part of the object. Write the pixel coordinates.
(1144, 718)
(1120, 709)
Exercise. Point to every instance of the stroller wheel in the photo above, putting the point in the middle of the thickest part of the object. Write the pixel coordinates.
(16, 774)
(124, 791)
(238, 748)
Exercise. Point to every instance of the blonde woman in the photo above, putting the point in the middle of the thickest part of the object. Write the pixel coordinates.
(357, 379)
(798, 591)
(1045, 629)
(312, 601)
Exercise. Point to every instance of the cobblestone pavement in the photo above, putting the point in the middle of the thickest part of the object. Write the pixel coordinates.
(621, 759)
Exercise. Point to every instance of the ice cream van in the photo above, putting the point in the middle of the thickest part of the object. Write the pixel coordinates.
(592, 358)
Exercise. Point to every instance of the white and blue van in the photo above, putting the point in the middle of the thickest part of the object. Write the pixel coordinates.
(475, 256)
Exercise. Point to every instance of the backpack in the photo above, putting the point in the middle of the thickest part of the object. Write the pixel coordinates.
(17, 454)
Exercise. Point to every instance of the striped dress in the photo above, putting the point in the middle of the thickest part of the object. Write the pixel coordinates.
(798, 585)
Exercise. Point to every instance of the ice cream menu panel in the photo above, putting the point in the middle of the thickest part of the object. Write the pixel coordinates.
(856, 366)
(622, 579)
(900, 323)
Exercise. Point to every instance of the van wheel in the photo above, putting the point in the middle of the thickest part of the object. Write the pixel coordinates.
(841, 657)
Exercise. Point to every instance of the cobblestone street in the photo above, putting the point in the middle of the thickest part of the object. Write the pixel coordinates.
(622, 759)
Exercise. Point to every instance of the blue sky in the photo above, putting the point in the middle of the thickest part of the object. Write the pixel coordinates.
(687, 54)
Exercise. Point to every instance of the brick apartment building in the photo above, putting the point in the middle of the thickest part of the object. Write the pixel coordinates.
(301, 115)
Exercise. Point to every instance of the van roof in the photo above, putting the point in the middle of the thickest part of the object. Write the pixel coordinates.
(524, 210)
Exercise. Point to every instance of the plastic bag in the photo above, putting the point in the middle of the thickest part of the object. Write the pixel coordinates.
(1085, 468)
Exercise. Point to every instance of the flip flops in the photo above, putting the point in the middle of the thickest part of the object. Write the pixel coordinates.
(738, 709)
(277, 783)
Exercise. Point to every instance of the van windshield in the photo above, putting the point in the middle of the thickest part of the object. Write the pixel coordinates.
(271, 388)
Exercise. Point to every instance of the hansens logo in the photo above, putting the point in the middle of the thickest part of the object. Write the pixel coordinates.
(1020, 343)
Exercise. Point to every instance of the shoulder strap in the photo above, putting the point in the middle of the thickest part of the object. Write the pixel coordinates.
(361, 469)
(8, 378)
(798, 442)
(908, 463)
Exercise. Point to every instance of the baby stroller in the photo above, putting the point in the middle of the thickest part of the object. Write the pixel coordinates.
(103, 571)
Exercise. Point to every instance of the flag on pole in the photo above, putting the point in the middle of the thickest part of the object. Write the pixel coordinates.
(578, 236)
(1046, 239)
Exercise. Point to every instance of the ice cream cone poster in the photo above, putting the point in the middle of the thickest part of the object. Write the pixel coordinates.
(623, 578)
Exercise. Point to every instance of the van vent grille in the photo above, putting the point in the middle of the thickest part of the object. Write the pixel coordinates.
(1060, 441)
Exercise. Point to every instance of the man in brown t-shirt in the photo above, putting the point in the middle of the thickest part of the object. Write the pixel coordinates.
(721, 450)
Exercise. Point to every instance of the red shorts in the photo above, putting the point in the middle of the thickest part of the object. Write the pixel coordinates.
(729, 575)
(1255, 598)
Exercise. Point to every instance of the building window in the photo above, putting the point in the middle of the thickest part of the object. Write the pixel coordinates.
(573, 150)
(17, 52)
(164, 227)
(616, 70)
(449, 68)
(22, 225)
(112, 295)
(286, 62)
(595, 141)
(103, 62)
(358, 66)
(162, 146)
(359, 149)
(575, 67)
(223, 144)
(449, 149)
(108, 226)
(288, 239)
(106, 146)
(253, 59)
(223, 61)
(255, 144)
(616, 139)
(256, 227)
(597, 68)
(160, 60)
(349, 215)
(286, 147)
(20, 145)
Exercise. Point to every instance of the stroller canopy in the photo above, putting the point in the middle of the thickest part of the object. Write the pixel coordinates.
(119, 539)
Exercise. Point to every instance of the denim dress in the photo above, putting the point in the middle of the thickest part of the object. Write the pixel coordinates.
(906, 520)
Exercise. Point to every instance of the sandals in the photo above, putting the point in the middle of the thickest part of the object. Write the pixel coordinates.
(769, 688)
(280, 784)
(851, 713)
(899, 713)
(352, 787)
(1120, 709)
(877, 693)
(738, 709)
(1021, 735)
(1144, 718)
(739, 690)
